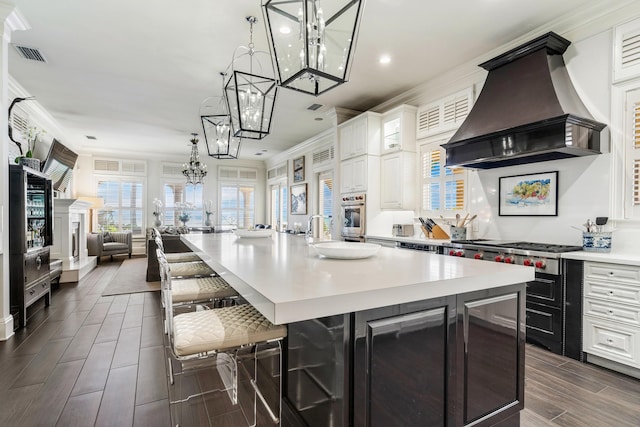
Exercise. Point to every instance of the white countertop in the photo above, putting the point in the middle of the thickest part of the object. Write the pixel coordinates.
(610, 257)
(287, 281)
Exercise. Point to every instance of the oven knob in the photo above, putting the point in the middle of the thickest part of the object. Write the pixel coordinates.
(499, 258)
(460, 253)
(452, 252)
(508, 260)
(478, 256)
(541, 264)
(528, 262)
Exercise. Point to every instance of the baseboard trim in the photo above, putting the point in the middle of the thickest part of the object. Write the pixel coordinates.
(6, 328)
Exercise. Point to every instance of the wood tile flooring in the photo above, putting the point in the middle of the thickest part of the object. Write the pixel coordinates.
(89, 360)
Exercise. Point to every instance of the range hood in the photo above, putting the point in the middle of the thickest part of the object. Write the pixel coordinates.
(528, 111)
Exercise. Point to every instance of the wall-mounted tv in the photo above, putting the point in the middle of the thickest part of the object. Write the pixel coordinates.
(59, 165)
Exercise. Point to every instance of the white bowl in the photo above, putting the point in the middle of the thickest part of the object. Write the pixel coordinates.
(346, 250)
(261, 232)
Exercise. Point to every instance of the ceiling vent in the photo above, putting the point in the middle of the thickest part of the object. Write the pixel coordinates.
(314, 107)
(30, 53)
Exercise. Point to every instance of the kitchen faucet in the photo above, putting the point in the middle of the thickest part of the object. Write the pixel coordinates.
(309, 233)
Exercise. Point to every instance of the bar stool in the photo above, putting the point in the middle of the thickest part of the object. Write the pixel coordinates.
(177, 256)
(193, 290)
(185, 269)
(236, 332)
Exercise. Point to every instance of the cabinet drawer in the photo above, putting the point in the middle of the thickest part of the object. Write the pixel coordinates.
(612, 311)
(36, 265)
(611, 341)
(612, 291)
(35, 292)
(609, 272)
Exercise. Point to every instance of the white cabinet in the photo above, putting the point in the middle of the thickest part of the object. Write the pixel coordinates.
(360, 135)
(611, 307)
(353, 175)
(397, 180)
(398, 129)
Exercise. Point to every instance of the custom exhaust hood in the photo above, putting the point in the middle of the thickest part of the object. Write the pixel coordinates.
(528, 111)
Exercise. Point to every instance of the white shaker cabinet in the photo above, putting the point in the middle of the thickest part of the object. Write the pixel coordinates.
(611, 308)
(397, 180)
(359, 136)
(353, 173)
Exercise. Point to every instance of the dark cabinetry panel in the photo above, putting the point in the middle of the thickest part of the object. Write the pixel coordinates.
(30, 235)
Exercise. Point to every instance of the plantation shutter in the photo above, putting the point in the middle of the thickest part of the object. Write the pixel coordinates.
(443, 189)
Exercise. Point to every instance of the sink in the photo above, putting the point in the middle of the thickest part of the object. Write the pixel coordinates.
(346, 250)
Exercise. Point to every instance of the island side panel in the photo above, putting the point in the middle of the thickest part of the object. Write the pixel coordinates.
(490, 355)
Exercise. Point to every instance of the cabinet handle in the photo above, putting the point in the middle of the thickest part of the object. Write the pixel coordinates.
(610, 292)
(610, 312)
(32, 291)
(609, 340)
(611, 273)
(38, 262)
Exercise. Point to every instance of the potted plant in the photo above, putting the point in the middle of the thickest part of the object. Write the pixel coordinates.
(184, 214)
(31, 135)
(208, 210)
(157, 212)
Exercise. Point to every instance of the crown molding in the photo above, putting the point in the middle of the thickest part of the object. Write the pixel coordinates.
(16, 21)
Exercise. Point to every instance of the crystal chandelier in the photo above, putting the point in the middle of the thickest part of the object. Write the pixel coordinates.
(312, 41)
(216, 126)
(194, 170)
(250, 96)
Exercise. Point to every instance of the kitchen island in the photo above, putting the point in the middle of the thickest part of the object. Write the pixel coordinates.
(401, 338)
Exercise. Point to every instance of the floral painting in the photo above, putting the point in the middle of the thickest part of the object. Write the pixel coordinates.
(534, 194)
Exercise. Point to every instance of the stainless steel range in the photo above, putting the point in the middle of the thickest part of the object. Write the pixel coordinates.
(554, 305)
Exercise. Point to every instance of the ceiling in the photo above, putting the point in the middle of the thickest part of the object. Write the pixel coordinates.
(134, 74)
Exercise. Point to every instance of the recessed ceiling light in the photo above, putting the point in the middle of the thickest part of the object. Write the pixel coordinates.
(91, 137)
(318, 119)
(285, 30)
(385, 59)
(264, 151)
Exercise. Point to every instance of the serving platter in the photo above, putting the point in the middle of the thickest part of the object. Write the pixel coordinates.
(346, 250)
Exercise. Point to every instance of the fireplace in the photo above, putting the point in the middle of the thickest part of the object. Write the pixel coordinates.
(75, 240)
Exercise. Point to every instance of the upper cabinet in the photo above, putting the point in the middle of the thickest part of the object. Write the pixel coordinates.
(360, 135)
(398, 129)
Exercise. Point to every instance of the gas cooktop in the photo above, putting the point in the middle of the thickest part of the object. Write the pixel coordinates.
(526, 246)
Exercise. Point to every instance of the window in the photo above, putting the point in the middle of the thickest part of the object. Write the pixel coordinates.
(325, 201)
(632, 156)
(123, 206)
(176, 193)
(443, 189)
(279, 197)
(237, 206)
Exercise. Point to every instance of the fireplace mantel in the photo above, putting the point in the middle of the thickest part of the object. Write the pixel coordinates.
(66, 212)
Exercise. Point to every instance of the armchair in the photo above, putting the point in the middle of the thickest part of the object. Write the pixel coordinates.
(111, 243)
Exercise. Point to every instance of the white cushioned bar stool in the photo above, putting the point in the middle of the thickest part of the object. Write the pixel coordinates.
(176, 256)
(185, 269)
(224, 337)
(191, 290)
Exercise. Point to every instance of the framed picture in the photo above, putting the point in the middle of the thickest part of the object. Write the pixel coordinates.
(529, 195)
(298, 169)
(299, 199)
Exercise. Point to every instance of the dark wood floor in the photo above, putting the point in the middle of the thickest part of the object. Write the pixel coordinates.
(93, 360)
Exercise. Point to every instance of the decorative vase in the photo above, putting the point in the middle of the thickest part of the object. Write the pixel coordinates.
(207, 222)
(157, 222)
(30, 162)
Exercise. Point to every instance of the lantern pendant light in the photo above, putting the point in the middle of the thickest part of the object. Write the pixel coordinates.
(251, 95)
(216, 126)
(312, 41)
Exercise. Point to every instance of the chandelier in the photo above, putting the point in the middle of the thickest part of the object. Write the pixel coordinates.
(194, 170)
(216, 126)
(250, 96)
(313, 41)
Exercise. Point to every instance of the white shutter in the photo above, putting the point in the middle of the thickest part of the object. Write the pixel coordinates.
(626, 51)
(170, 169)
(245, 174)
(632, 155)
(443, 189)
(19, 123)
(444, 114)
(133, 167)
(106, 166)
(277, 171)
(323, 156)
